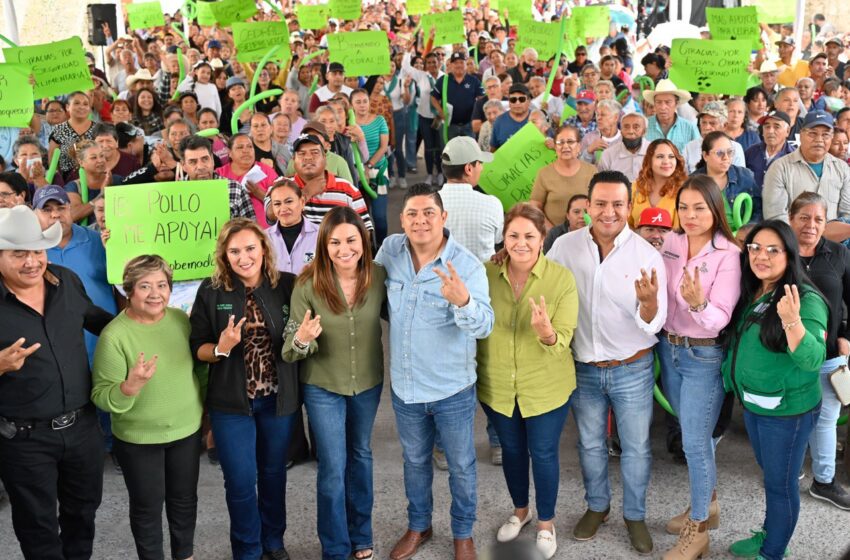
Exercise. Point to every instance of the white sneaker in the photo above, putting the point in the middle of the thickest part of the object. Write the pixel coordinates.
(546, 543)
(440, 180)
(393, 183)
(433, 180)
(402, 183)
(510, 530)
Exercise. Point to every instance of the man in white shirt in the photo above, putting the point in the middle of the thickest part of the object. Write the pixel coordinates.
(621, 284)
(430, 131)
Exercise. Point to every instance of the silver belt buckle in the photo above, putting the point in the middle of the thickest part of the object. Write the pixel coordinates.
(64, 421)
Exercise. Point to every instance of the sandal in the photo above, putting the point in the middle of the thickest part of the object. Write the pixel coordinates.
(358, 553)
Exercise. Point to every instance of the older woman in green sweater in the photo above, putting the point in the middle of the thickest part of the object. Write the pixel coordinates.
(145, 376)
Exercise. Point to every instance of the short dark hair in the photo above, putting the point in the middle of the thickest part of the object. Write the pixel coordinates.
(208, 110)
(423, 189)
(195, 142)
(16, 182)
(609, 177)
(453, 172)
(574, 198)
(105, 129)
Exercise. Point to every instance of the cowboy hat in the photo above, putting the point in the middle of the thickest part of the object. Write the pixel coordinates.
(768, 66)
(21, 231)
(144, 74)
(666, 86)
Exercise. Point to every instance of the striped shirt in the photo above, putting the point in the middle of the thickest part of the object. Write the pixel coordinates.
(373, 131)
(337, 192)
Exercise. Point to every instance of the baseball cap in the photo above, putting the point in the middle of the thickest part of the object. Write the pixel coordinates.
(457, 56)
(318, 127)
(655, 217)
(214, 44)
(715, 109)
(818, 118)
(786, 41)
(47, 193)
(336, 67)
(234, 81)
(778, 115)
(307, 139)
(519, 88)
(462, 150)
(835, 40)
(585, 96)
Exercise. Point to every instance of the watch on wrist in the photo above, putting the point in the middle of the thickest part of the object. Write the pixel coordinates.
(219, 354)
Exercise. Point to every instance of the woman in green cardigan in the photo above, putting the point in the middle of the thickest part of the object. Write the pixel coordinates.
(156, 411)
(525, 369)
(777, 346)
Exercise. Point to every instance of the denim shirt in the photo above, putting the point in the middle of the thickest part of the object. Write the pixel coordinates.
(433, 342)
(739, 180)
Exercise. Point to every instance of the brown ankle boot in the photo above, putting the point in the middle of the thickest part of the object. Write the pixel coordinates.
(693, 542)
(674, 526)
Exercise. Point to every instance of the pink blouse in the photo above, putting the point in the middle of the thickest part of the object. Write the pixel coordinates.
(227, 172)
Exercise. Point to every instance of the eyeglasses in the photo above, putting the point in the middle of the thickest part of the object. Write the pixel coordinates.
(570, 143)
(6, 195)
(813, 134)
(724, 153)
(771, 250)
(518, 99)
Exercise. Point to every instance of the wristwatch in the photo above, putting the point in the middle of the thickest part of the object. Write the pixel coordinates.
(220, 354)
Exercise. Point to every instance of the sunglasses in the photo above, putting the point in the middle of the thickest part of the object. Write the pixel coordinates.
(518, 99)
(771, 250)
(724, 153)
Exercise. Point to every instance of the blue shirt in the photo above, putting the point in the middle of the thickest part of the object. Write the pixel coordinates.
(682, 132)
(504, 127)
(85, 255)
(461, 96)
(747, 139)
(432, 342)
(757, 162)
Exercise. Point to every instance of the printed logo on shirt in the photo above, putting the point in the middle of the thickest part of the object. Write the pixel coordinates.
(285, 310)
(466, 86)
(308, 257)
(703, 268)
(224, 307)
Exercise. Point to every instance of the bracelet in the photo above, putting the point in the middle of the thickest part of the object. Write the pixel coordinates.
(791, 325)
(298, 344)
(698, 308)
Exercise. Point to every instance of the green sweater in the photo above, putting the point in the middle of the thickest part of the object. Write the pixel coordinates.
(170, 405)
(762, 376)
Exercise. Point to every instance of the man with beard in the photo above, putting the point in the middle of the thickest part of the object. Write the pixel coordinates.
(626, 156)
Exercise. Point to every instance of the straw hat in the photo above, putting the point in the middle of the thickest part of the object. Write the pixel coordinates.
(666, 86)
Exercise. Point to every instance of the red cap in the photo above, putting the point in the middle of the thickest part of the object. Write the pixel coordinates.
(586, 95)
(655, 217)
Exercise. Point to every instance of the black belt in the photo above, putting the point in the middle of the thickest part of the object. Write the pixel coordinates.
(61, 422)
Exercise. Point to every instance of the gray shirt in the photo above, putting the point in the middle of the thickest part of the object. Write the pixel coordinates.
(790, 176)
(617, 158)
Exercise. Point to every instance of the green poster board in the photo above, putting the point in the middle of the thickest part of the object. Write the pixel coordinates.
(709, 66)
(510, 176)
(206, 17)
(144, 15)
(254, 39)
(59, 67)
(517, 9)
(346, 9)
(313, 17)
(776, 11)
(228, 11)
(362, 53)
(417, 7)
(589, 21)
(16, 99)
(734, 23)
(178, 221)
(449, 27)
(542, 37)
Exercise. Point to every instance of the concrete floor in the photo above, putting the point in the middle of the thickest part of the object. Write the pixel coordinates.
(822, 531)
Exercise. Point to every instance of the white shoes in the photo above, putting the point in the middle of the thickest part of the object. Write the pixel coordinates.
(510, 530)
(402, 183)
(546, 543)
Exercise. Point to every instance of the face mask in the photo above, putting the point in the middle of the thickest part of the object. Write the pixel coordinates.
(632, 144)
(528, 67)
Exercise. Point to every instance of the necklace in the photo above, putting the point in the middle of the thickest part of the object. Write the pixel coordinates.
(517, 285)
(808, 262)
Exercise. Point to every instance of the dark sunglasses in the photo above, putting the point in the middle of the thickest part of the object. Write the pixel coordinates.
(518, 99)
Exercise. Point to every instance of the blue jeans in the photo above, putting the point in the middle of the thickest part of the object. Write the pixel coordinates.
(779, 443)
(379, 217)
(492, 437)
(539, 437)
(433, 139)
(417, 423)
(412, 136)
(456, 130)
(342, 426)
(252, 452)
(628, 390)
(694, 386)
(823, 439)
(400, 122)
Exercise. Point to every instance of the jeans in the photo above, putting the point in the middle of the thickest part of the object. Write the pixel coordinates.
(433, 139)
(824, 437)
(779, 443)
(417, 423)
(492, 437)
(400, 122)
(412, 136)
(379, 217)
(343, 429)
(456, 130)
(156, 474)
(539, 437)
(694, 387)
(628, 390)
(252, 452)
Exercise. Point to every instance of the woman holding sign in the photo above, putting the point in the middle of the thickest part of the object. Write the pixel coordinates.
(237, 322)
(145, 376)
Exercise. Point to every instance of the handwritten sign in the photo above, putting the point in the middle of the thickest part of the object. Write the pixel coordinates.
(16, 99)
(417, 7)
(206, 17)
(362, 53)
(709, 66)
(542, 37)
(179, 221)
(734, 23)
(346, 9)
(510, 176)
(313, 17)
(449, 27)
(58, 68)
(776, 11)
(145, 14)
(254, 39)
(589, 21)
(228, 11)
(517, 9)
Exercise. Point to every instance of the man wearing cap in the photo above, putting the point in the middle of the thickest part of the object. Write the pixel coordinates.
(213, 49)
(666, 123)
(626, 156)
(834, 48)
(462, 91)
(790, 70)
(334, 163)
(585, 120)
(653, 225)
(510, 122)
(811, 168)
(336, 83)
(712, 117)
(775, 127)
(51, 449)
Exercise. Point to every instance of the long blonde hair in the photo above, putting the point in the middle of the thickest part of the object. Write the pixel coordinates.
(223, 275)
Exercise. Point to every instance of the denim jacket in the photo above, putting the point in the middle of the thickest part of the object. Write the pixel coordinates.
(432, 342)
(739, 180)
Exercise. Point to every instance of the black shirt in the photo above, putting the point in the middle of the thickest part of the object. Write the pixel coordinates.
(55, 379)
(829, 269)
(290, 234)
(461, 96)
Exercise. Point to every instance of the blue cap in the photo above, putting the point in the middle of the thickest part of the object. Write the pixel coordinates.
(47, 193)
(818, 118)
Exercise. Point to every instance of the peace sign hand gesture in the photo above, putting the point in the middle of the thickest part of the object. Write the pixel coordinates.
(540, 321)
(12, 358)
(453, 288)
(310, 329)
(691, 288)
(788, 307)
(139, 375)
(646, 288)
(231, 335)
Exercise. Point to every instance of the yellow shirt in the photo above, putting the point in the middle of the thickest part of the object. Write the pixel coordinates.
(513, 365)
(788, 75)
(641, 203)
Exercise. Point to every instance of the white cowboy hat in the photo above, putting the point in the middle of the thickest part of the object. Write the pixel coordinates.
(768, 66)
(21, 231)
(144, 74)
(666, 86)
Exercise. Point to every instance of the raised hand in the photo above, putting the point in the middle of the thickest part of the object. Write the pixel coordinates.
(646, 288)
(139, 375)
(231, 335)
(691, 288)
(12, 358)
(788, 307)
(540, 321)
(453, 288)
(310, 329)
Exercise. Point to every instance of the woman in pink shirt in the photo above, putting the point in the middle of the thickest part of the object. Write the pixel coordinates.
(242, 161)
(703, 267)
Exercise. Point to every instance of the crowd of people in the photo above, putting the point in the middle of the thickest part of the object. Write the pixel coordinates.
(703, 235)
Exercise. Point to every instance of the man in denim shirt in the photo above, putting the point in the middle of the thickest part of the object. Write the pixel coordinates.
(439, 304)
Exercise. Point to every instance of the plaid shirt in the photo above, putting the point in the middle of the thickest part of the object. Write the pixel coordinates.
(240, 200)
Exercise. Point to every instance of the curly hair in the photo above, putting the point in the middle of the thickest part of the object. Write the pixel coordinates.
(645, 180)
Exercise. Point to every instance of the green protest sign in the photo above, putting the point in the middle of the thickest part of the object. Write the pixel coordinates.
(206, 17)
(362, 53)
(449, 27)
(58, 68)
(709, 66)
(228, 11)
(16, 99)
(776, 11)
(346, 9)
(178, 221)
(734, 23)
(517, 9)
(589, 21)
(542, 37)
(510, 176)
(567, 113)
(417, 7)
(254, 39)
(313, 17)
(145, 15)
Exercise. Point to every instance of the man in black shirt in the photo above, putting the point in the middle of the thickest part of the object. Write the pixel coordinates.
(461, 92)
(51, 448)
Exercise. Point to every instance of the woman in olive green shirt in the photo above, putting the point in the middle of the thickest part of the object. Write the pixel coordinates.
(339, 296)
(525, 369)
